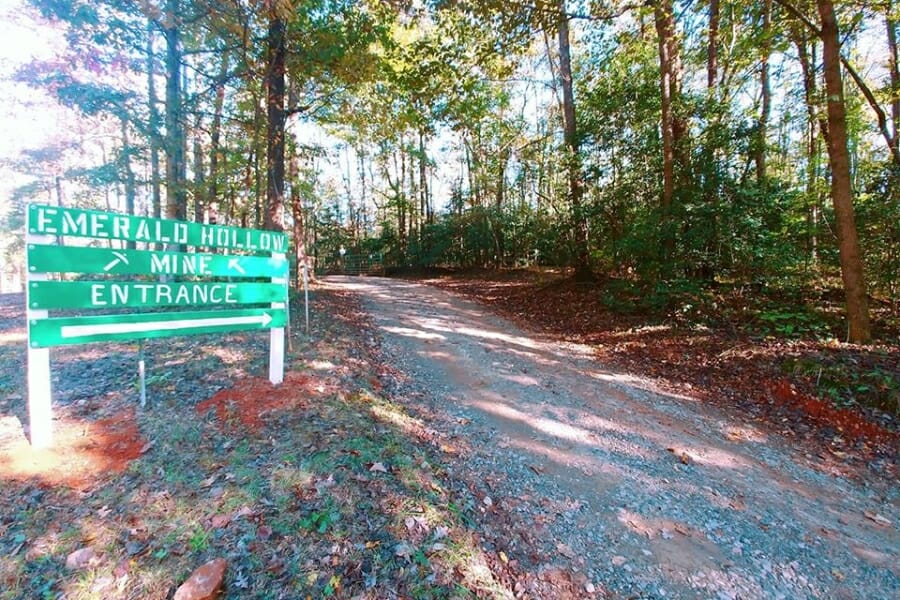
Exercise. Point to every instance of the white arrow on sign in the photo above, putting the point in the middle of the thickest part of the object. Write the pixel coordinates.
(71, 331)
(235, 264)
(119, 258)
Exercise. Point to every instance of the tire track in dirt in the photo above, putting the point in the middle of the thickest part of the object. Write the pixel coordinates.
(646, 493)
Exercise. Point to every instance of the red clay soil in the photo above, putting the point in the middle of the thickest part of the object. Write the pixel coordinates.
(848, 422)
(83, 452)
(250, 400)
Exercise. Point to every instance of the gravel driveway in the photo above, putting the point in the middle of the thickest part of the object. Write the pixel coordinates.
(646, 494)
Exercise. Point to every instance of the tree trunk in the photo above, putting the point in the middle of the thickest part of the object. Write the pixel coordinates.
(423, 179)
(852, 271)
(573, 155)
(299, 229)
(276, 120)
(176, 197)
(712, 46)
(894, 67)
(200, 201)
(155, 192)
(664, 18)
(815, 125)
(765, 93)
(130, 191)
(215, 151)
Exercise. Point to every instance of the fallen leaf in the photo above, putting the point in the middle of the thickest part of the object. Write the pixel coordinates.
(877, 518)
(378, 468)
(134, 547)
(82, 558)
(403, 550)
(503, 557)
(244, 511)
(220, 521)
(122, 569)
(565, 550)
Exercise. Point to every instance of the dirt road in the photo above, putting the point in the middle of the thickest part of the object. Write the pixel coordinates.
(647, 495)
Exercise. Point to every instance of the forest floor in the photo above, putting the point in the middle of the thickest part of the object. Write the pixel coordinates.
(324, 487)
(423, 447)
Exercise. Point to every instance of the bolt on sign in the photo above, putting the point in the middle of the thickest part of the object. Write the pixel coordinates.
(216, 297)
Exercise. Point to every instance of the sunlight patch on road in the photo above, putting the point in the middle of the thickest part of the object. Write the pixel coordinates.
(711, 457)
(523, 380)
(739, 433)
(548, 426)
(496, 335)
(12, 337)
(637, 382)
(414, 333)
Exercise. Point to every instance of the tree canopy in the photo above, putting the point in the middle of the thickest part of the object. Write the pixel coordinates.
(718, 141)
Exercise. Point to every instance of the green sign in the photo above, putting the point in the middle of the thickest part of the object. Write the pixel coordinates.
(44, 333)
(75, 259)
(112, 294)
(173, 279)
(54, 220)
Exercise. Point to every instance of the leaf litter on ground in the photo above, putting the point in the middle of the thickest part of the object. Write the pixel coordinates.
(322, 487)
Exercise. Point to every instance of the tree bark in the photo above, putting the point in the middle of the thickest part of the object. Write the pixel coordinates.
(573, 152)
(894, 68)
(712, 46)
(215, 150)
(299, 228)
(176, 172)
(199, 174)
(673, 128)
(815, 125)
(852, 271)
(130, 192)
(277, 117)
(155, 191)
(765, 93)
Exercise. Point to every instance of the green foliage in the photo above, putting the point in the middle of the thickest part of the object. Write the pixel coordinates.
(844, 381)
(794, 324)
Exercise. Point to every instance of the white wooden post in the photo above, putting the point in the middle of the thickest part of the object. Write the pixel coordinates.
(306, 293)
(276, 334)
(40, 408)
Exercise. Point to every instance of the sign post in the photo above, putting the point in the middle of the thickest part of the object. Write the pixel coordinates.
(40, 411)
(214, 283)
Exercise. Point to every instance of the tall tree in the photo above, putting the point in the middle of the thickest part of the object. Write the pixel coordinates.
(277, 118)
(176, 168)
(852, 271)
(891, 19)
(674, 127)
(765, 91)
(573, 152)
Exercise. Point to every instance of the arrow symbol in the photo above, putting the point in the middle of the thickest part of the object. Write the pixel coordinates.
(119, 258)
(71, 331)
(235, 264)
